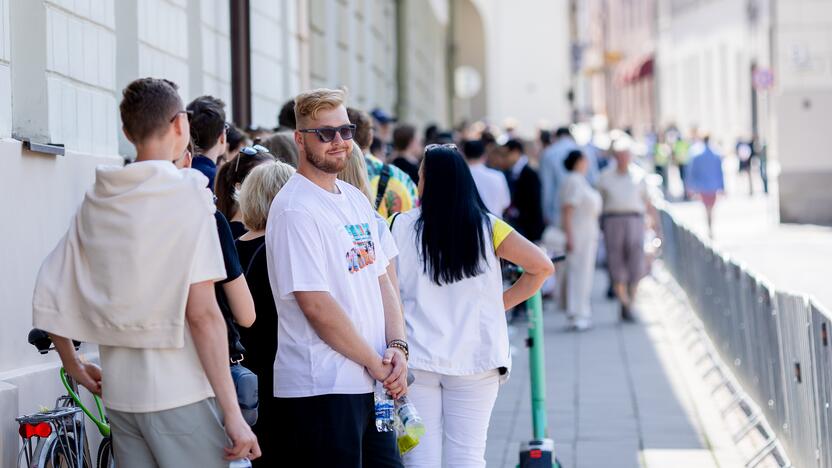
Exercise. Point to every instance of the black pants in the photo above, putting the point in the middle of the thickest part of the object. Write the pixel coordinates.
(337, 431)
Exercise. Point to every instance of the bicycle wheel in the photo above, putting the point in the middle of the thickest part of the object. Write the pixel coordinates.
(61, 451)
(105, 454)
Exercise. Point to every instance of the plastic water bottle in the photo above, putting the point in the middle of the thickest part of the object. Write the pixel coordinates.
(241, 463)
(385, 408)
(410, 428)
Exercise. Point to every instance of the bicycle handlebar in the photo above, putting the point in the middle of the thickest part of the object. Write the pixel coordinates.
(101, 420)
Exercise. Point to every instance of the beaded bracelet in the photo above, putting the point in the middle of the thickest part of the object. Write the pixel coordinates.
(402, 345)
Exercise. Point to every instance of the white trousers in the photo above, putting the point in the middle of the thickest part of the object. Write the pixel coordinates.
(580, 270)
(456, 411)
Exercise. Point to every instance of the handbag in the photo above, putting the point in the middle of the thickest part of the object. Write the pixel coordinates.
(245, 382)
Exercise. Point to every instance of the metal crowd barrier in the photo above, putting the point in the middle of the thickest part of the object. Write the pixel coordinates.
(776, 343)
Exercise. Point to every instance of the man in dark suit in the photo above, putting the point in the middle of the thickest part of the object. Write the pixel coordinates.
(526, 212)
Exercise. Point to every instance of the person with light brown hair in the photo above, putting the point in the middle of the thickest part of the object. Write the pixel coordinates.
(260, 340)
(340, 326)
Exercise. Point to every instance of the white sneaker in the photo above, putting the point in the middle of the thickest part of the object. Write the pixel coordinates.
(583, 325)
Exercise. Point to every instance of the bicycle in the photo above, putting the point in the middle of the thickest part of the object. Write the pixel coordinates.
(57, 438)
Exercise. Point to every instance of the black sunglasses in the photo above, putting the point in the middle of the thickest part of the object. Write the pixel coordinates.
(327, 134)
(186, 112)
(249, 151)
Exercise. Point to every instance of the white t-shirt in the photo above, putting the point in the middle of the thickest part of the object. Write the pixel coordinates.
(458, 328)
(388, 244)
(322, 241)
(138, 380)
(493, 188)
(623, 193)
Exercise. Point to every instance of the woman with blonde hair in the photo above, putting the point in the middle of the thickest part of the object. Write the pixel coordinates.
(260, 340)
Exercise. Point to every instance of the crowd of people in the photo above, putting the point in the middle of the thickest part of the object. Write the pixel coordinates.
(251, 291)
(250, 294)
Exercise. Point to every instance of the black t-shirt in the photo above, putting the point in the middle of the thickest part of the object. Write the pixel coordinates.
(261, 339)
(233, 270)
(237, 229)
(408, 167)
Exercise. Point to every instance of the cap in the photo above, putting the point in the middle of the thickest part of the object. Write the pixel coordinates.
(381, 116)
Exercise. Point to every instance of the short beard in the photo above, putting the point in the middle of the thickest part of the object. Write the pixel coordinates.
(319, 162)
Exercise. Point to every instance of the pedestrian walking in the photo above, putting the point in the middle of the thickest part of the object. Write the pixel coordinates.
(147, 234)
(581, 208)
(260, 340)
(625, 204)
(552, 174)
(451, 286)
(340, 328)
(490, 183)
(525, 214)
(706, 178)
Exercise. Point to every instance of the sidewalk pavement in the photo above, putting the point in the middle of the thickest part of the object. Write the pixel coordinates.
(617, 395)
(792, 257)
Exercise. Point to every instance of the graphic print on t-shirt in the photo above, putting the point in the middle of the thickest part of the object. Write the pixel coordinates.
(363, 252)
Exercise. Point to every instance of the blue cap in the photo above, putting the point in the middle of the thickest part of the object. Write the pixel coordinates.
(381, 116)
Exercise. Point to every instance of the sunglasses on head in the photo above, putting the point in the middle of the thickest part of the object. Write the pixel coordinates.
(249, 151)
(327, 134)
(440, 145)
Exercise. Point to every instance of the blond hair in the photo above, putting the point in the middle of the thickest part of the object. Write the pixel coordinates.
(258, 191)
(309, 103)
(355, 172)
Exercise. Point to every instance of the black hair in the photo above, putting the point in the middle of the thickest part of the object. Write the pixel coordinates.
(234, 136)
(431, 133)
(376, 145)
(473, 149)
(286, 117)
(572, 159)
(487, 138)
(207, 121)
(562, 132)
(453, 226)
(545, 138)
(514, 145)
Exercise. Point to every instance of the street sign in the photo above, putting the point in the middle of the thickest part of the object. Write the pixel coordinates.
(762, 79)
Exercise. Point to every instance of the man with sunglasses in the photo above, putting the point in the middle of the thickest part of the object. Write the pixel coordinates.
(208, 126)
(340, 327)
(135, 274)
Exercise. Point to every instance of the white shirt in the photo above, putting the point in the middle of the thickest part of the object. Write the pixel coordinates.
(322, 241)
(493, 188)
(139, 380)
(453, 329)
(577, 193)
(623, 193)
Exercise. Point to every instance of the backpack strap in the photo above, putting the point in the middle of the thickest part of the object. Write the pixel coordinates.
(393, 220)
(383, 179)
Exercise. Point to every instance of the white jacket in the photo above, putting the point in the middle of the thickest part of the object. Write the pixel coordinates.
(120, 275)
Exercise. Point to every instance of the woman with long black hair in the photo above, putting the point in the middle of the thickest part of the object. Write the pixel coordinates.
(454, 302)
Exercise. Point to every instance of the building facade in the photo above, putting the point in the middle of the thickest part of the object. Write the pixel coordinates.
(63, 64)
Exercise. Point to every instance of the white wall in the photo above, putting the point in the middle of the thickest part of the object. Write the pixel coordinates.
(163, 43)
(80, 68)
(527, 56)
(5, 71)
(44, 192)
(215, 35)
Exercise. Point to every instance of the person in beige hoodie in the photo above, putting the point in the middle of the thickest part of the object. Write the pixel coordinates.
(135, 274)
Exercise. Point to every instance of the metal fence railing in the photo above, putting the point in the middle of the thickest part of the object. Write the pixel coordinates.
(776, 343)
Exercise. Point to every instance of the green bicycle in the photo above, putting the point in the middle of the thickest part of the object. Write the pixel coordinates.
(57, 438)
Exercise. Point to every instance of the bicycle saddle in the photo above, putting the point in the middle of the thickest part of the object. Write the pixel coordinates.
(41, 340)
